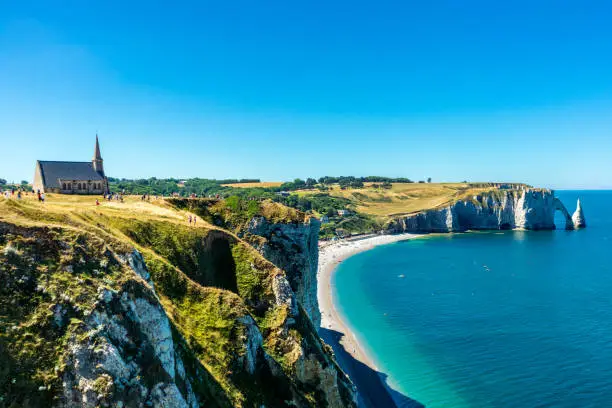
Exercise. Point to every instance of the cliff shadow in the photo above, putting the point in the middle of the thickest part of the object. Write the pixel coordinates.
(372, 386)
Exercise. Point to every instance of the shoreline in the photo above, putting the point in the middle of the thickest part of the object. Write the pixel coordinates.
(351, 356)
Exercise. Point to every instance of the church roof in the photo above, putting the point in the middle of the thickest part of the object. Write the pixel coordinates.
(53, 171)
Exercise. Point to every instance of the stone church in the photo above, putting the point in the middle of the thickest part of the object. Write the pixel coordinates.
(71, 177)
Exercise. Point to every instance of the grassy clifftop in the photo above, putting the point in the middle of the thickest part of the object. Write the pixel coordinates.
(406, 198)
(234, 212)
(240, 345)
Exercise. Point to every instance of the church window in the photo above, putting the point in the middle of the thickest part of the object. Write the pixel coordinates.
(79, 186)
(63, 186)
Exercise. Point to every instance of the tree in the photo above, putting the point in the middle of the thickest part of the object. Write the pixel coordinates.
(429, 179)
(310, 182)
(2, 182)
(24, 182)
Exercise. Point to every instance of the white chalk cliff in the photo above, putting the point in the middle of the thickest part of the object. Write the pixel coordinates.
(294, 248)
(530, 209)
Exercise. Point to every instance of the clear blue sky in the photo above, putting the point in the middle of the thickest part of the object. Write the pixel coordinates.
(453, 90)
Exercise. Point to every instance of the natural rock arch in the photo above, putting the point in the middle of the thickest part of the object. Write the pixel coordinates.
(569, 224)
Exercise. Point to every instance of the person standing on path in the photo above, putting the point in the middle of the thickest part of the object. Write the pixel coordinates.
(189, 218)
(194, 220)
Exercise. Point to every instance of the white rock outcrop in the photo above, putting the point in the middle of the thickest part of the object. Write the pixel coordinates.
(122, 347)
(578, 217)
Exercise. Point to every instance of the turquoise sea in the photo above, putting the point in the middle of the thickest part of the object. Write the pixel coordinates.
(490, 319)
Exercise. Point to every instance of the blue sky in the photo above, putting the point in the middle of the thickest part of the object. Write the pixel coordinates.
(470, 90)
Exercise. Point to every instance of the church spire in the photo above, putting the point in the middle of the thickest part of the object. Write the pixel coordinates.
(97, 159)
(97, 155)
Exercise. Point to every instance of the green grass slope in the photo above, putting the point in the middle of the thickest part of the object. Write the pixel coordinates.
(207, 280)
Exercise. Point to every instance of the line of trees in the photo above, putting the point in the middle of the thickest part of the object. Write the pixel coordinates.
(342, 181)
(169, 186)
(200, 186)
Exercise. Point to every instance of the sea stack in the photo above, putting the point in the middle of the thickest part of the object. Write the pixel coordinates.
(578, 217)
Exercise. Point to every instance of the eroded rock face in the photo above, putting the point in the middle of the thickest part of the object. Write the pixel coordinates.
(578, 217)
(110, 342)
(294, 248)
(284, 295)
(123, 353)
(313, 368)
(253, 344)
(532, 209)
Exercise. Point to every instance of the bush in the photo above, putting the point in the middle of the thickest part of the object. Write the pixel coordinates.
(253, 208)
(233, 203)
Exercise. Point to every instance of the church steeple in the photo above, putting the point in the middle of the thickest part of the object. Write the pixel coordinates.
(97, 159)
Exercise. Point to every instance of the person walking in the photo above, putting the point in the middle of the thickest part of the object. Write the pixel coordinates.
(189, 218)
(194, 220)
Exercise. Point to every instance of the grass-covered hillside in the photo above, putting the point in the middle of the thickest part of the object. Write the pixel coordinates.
(69, 295)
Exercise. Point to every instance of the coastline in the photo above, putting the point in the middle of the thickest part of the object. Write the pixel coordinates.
(371, 385)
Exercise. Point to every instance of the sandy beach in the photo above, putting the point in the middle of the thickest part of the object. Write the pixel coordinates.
(372, 388)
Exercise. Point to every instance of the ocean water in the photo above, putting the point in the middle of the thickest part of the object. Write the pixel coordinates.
(491, 319)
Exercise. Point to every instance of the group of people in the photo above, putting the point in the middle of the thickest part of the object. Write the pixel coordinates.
(19, 193)
(14, 193)
(192, 218)
(113, 196)
(110, 197)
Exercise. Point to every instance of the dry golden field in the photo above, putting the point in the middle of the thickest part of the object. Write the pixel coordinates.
(262, 184)
(402, 198)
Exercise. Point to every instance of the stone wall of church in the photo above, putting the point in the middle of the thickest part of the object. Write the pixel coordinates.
(81, 187)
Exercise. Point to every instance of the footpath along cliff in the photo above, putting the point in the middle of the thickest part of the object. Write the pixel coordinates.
(498, 209)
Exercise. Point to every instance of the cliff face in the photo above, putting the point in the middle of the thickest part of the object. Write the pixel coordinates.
(85, 326)
(112, 310)
(293, 247)
(531, 209)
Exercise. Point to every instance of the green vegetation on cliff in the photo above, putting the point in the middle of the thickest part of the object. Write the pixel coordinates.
(239, 343)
